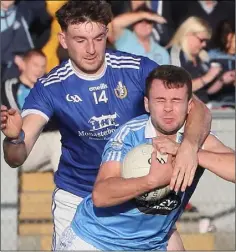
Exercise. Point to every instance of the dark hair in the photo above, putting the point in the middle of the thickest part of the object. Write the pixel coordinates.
(172, 77)
(224, 28)
(32, 52)
(74, 12)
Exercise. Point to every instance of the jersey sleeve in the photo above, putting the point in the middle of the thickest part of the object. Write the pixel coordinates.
(147, 66)
(38, 102)
(118, 146)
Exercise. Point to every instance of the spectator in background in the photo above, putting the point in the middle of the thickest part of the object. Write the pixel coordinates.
(139, 41)
(17, 39)
(39, 20)
(224, 45)
(187, 50)
(54, 52)
(46, 152)
(211, 11)
(162, 33)
(119, 7)
(224, 53)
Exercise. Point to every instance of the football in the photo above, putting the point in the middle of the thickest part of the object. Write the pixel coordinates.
(137, 163)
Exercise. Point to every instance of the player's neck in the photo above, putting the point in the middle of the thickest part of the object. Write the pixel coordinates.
(95, 74)
(172, 137)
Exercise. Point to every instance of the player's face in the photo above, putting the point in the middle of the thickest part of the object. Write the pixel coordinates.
(35, 67)
(86, 44)
(168, 108)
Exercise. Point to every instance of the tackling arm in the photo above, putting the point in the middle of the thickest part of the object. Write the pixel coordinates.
(218, 158)
(16, 154)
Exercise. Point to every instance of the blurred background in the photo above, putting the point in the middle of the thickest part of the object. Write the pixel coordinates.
(197, 35)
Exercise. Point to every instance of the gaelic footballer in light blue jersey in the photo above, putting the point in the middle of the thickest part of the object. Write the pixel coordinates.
(132, 225)
(88, 111)
(114, 217)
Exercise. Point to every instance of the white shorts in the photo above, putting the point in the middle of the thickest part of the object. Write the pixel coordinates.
(45, 154)
(64, 205)
(70, 241)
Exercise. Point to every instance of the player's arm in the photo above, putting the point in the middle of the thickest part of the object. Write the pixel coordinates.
(16, 154)
(198, 124)
(111, 189)
(37, 111)
(218, 158)
(197, 128)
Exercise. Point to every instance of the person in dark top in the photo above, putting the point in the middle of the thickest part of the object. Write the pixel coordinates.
(17, 39)
(224, 53)
(187, 50)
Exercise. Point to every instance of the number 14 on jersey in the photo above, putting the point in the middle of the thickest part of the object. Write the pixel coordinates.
(100, 97)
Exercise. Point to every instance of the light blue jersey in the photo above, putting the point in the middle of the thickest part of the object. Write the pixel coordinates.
(88, 110)
(134, 225)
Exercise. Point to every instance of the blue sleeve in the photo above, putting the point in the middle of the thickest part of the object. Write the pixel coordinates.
(146, 67)
(38, 102)
(118, 146)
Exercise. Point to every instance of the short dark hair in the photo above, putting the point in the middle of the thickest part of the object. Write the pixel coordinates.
(224, 28)
(172, 77)
(32, 52)
(75, 12)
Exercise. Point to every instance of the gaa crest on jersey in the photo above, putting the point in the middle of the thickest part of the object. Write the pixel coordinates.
(163, 206)
(121, 90)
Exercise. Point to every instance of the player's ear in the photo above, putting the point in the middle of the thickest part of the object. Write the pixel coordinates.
(19, 61)
(190, 104)
(62, 39)
(146, 104)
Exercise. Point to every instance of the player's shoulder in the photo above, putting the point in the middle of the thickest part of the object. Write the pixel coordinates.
(57, 74)
(119, 59)
(133, 126)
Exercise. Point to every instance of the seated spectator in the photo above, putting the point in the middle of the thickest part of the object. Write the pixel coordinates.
(212, 11)
(224, 54)
(139, 41)
(187, 50)
(17, 39)
(224, 45)
(46, 152)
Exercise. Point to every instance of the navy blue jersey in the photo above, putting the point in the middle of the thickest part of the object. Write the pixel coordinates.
(88, 110)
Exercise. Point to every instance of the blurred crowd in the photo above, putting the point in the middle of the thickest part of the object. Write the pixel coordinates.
(197, 35)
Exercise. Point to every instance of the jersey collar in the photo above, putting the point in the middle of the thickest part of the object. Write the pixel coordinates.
(85, 76)
(150, 131)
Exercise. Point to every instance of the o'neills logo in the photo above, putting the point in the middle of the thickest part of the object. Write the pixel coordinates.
(121, 90)
(102, 86)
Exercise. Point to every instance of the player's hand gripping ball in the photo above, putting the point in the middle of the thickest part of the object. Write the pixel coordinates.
(137, 163)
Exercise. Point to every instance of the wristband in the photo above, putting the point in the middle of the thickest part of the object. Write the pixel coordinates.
(19, 140)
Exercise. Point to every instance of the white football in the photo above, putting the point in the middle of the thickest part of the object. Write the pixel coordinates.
(137, 163)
